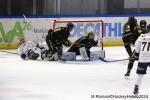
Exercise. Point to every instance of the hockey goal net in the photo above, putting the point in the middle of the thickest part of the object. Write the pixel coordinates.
(82, 27)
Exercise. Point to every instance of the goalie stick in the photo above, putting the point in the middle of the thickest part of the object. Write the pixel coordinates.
(9, 52)
(113, 60)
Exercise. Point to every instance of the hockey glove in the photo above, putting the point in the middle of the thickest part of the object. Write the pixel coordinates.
(67, 43)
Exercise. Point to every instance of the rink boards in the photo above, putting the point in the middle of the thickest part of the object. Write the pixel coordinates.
(35, 28)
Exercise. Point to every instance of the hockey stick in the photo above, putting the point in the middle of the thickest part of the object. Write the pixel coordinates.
(9, 52)
(113, 60)
(26, 19)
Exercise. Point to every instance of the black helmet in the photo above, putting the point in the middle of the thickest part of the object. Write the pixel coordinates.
(50, 31)
(148, 27)
(132, 21)
(23, 56)
(143, 24)
(70, 25)
(131, 18)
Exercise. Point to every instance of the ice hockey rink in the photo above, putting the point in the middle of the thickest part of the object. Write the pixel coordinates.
(78, 80)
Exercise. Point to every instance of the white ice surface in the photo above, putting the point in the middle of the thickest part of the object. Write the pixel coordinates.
(46, 80)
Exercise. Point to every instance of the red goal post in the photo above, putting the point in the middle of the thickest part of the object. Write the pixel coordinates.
(61, 23)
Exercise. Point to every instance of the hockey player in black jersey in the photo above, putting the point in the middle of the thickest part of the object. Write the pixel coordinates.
(85, 41)
(130, 34)
(141, 30)
(55, 39)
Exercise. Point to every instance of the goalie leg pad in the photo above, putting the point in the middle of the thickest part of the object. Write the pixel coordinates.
(83, 53)
(69, 56)
(95, 55)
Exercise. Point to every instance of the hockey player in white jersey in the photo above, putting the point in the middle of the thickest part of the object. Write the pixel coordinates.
(28, 50)
(142, 50)
(44, 50)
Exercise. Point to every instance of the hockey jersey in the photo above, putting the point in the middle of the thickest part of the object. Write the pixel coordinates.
(59, 35)
(142, 46)
(23, 49)
(82, 42)
(42, 45)
(130, 33)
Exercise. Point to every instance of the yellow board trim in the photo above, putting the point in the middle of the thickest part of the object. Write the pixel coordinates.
(9, 46)
(113, 44)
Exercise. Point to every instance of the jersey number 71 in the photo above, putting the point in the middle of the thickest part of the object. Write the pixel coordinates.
(146, 46)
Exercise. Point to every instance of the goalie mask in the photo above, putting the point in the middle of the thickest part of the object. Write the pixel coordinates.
(91, 35)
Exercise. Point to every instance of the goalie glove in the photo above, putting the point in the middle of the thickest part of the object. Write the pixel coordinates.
(99, 42)
(67, 43)
(83, 53)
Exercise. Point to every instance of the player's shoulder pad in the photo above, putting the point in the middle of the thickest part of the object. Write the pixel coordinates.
(84, 37)
(63, 28)
(58, 29)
